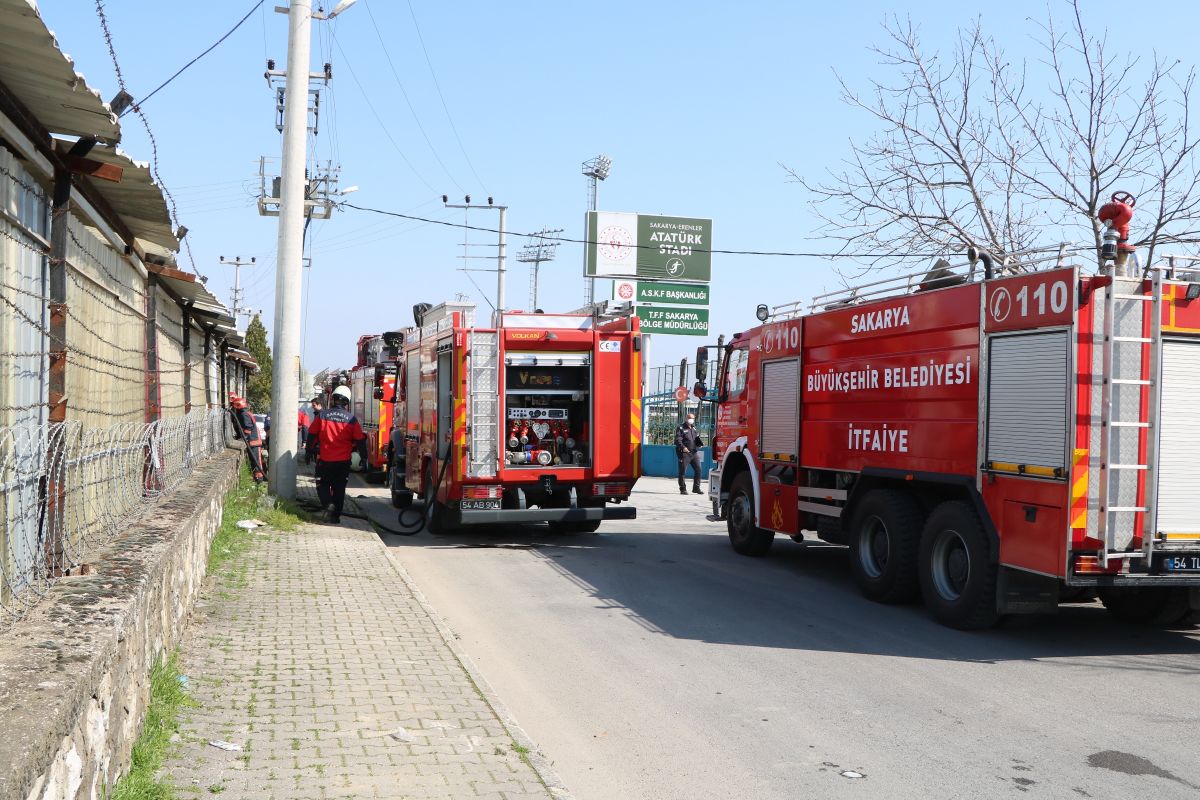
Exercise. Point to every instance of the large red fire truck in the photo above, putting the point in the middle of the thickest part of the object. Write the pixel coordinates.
(372, 389)
(991, 439)
(537, 419)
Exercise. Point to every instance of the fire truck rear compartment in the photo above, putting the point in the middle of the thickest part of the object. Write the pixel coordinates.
(547, 411)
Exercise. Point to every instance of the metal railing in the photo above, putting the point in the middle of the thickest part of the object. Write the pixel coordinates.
(938, 276)
(66, 490)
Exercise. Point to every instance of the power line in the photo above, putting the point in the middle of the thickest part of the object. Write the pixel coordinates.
(408, 102)
(441, 96)
(182, 69)
(378, 119)
(632, 246)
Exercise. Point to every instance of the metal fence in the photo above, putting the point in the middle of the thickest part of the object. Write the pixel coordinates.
(66, 490)
(666, 378)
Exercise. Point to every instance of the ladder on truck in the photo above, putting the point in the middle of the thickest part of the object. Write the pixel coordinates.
(1129, 405)
(483, 397)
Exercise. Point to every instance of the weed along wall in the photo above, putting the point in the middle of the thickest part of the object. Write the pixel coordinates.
(76, 670)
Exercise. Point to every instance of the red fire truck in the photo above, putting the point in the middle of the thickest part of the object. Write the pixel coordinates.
(372, 389)
(992, 440)
(538, 419)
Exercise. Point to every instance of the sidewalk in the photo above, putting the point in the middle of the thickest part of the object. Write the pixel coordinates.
(321, 663)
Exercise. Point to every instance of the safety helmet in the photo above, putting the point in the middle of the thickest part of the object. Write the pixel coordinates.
(342, 392)
(238, 402)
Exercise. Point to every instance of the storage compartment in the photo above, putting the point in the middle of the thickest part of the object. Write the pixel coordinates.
(547, 410)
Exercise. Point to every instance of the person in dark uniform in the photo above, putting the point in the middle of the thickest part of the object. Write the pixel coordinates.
(312, 448)
(338, 435)
(246, 429)
(687, 448)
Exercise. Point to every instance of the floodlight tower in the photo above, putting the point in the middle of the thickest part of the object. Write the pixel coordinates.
(535, 254)
(595, 170)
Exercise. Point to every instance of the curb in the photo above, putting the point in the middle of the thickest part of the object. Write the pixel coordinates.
(541, 765)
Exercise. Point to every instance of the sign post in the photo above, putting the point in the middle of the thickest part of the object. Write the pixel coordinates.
(626, 245)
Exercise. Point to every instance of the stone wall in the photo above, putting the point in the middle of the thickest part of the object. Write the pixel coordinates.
(74, 674)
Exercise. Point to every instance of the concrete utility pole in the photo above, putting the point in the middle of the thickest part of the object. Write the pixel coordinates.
(236, 307)
(285, 388)
(501, 246)
(294, 205)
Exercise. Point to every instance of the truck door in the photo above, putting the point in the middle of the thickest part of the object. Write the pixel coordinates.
(445, 402)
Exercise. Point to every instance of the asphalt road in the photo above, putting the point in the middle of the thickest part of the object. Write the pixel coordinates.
(651, 661)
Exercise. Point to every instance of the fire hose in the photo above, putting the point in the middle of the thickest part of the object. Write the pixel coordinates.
(413, 526)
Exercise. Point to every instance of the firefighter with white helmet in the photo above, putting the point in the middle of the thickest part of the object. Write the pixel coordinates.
(337, 434)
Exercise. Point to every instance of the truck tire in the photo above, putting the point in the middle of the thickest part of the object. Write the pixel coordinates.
(885, 544)
(957, 574)
(1158, 606)
(402, 496)
(746, 537)
(374, 476)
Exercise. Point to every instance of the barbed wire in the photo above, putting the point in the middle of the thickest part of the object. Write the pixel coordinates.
(68, 490)
(137, 110)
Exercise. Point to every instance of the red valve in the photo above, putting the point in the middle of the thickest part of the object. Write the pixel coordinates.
(1117, 214)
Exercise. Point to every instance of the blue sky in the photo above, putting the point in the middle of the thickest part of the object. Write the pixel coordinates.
(697, 104)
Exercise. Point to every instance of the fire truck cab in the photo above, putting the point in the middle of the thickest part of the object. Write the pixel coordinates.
(372, 389)
(989, 441)
(537, 419)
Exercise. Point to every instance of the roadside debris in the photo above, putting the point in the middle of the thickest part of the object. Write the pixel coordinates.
(228, 746)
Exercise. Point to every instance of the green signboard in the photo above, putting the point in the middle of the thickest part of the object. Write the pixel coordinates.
(625, 245)
(677, 320)
(656, 293)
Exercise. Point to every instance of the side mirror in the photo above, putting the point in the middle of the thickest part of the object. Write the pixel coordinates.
(379, 372)
(700, 390)
(701, 364)
(377, 393)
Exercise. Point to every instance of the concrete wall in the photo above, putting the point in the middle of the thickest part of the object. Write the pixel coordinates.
(74, 674)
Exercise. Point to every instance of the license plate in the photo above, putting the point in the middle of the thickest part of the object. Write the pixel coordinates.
(1181, 563)
(480, 505)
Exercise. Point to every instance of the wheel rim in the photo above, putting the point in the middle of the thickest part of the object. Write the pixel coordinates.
(951, 565)
(739, 515)
(874, 546)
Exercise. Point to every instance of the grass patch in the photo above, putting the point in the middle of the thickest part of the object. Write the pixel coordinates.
(242, 502)
(167, 697)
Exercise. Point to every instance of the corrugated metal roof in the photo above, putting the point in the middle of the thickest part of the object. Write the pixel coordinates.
(188, 288)
(137, 198)
(44, 78)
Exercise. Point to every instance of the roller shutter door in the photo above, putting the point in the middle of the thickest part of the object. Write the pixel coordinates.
(781, 409)
(1027, 399)
(1179, 439)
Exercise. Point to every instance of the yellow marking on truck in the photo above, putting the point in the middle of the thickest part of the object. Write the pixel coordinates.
(1079, 487)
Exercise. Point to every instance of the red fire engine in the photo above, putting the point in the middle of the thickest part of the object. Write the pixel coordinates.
(991, 440)
(536, 420)
(372, 388)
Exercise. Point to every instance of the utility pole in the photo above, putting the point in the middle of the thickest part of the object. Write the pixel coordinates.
(236, 307)
(595, 170)
(535, 255)
(501, 246)
(285, 383)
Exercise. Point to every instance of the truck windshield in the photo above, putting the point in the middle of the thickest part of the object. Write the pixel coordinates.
(735, 372)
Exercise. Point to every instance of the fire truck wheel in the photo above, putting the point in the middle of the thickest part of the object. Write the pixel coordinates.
(746, 537)
(885, 543)
(958, 576)
(1161, 606)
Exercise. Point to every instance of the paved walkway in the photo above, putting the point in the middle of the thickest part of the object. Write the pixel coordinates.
(317, 659)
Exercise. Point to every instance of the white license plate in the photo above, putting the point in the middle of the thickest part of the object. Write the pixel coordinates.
(480, 505)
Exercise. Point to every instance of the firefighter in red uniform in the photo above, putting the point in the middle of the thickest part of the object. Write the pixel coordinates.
(338, 435)
(246, 429)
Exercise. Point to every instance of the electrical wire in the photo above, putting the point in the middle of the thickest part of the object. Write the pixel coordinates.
(378, 119)
(184, 68)
(408, 101)
(446, 108)
(654, 247)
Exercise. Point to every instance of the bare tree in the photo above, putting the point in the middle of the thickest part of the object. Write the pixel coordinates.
(971, 149)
